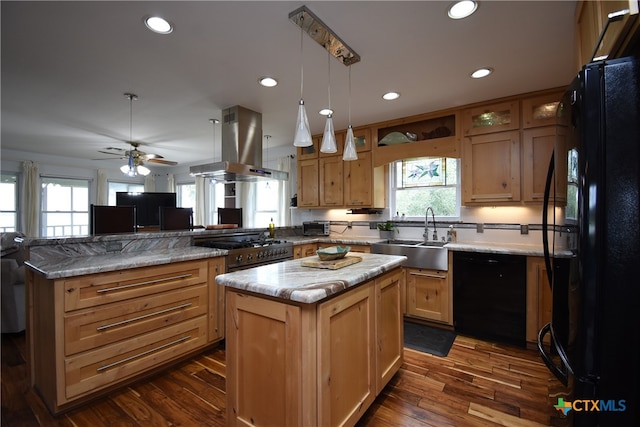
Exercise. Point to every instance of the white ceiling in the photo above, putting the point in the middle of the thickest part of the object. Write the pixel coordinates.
(66, 66)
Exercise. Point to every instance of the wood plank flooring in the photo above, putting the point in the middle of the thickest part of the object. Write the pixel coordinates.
(477, 384)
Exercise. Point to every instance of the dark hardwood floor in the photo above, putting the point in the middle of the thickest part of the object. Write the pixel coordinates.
(478, 384)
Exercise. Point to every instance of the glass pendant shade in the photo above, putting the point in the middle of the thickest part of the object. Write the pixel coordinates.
(329, 137)
(302, 136)
(350, 152)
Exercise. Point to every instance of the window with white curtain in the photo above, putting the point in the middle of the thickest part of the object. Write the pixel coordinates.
(64, 207)
(186, 195)
(8, 202)
(126, 187)
(424, 182)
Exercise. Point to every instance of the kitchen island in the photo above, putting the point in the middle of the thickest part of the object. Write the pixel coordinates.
(308, 346)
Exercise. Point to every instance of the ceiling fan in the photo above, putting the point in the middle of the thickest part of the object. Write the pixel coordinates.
(135, 158)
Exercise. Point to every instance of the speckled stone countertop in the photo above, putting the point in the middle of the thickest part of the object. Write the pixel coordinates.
(56, 267)
(339, 240)
(505, 248)
(289, 280)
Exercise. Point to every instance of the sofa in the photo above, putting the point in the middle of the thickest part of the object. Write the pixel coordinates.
(13, 285)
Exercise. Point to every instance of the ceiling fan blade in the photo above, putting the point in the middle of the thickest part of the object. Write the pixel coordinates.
(150, 156)
(118, 155)
(162, 162)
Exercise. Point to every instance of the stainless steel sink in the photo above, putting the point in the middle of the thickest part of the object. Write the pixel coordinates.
(428, 255)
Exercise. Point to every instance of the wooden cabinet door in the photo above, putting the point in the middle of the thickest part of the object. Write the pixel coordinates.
(346, 356)
(308, 195)
(302, 251)
(540, 110)
(537, 147)
(358, 185)
(389, 328)
(492, 118)
(331, 181)
(539, 297)
(264, 358)
(428, 295)
(362, 137)
(491, 168)
(311, 152)
(216, 299)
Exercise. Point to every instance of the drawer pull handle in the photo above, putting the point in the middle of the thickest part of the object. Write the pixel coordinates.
(144, 353)
(433, 276)
(149, 282)
(135, 319)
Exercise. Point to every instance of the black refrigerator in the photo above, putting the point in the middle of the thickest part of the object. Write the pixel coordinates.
(592, 343)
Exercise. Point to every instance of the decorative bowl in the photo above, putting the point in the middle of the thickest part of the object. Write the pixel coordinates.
(332, 252)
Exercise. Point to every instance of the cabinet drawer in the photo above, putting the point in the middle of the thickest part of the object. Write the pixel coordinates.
(97, 289)
(104, 366)
(92, 328)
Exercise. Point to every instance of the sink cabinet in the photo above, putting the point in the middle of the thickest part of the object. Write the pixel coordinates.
(428, 295)
(90, 333)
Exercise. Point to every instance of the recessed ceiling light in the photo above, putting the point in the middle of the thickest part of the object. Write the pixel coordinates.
(267, 81)
(158, 25)
(389, 96)
(462, 9)
(326, 111)
(481, 72)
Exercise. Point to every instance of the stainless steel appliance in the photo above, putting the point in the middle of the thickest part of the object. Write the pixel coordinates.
(594, 338)
(316, 228)
(248, 250)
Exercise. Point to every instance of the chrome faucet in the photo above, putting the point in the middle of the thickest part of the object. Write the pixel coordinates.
(426, 227)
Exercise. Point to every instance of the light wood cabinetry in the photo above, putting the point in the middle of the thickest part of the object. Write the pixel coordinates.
(429, 295)
(308, 182)
(537, 146)
(491, 168)
(491, 118)
(89, 333)
(311, 152)
(302, 251)
(539, 298)
(331, 181)
(364, 185)
(590, 19)
(292, 364)
(436, 134)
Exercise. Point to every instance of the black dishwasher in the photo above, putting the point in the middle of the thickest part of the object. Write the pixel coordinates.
(489, 296)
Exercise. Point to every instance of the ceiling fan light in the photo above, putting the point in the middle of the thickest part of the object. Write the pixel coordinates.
(143, 170)
(126, 169)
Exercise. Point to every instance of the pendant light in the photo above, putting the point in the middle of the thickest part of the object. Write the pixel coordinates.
(302, 136)
(329, 136)
(350, 152)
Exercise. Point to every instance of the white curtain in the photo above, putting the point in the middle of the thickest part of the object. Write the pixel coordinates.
(30, 200)
(171, 183)
(102, 198)
(246, 193)
(284, 218)
(200, 214)
(150, 183)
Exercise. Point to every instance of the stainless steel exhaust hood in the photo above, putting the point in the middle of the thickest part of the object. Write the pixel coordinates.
(241, 150)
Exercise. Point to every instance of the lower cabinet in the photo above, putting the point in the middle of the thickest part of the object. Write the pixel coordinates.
(429, 295)
(539, 297)
(319, 364)
(303, 251)
(89, 333)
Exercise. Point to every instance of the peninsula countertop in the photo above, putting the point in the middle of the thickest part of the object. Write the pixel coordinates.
(69, 266)
(290, 280)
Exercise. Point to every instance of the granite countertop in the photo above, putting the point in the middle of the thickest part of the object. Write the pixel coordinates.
(343, 240)
(68, 266)
(289, 280)
(505, 248)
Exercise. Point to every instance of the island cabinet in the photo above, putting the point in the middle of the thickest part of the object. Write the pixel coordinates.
(429, 295)
(90, 333)
(302, 251)
(319, 364)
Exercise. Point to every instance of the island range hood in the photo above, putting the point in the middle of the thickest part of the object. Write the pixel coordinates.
(241, 150)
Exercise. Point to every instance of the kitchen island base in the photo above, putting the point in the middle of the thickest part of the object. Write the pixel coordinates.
(293, 364)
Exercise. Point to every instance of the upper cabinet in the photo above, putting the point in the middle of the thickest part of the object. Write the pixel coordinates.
(540, 110)
(305, 153)
(591, 18)
(491, 118)
(417, 136)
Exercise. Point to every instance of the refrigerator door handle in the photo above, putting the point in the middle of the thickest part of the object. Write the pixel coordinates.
(545, 220)
(561, 372)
